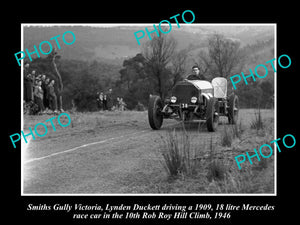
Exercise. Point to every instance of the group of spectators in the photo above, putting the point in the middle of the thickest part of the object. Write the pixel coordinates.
(39, 93)
(105, 101)
(121, 105)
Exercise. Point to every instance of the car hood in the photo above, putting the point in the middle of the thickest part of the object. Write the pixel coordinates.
(201, 84)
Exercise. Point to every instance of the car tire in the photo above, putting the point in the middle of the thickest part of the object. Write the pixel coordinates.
(212, 119)
(155, 116)
(233, 110)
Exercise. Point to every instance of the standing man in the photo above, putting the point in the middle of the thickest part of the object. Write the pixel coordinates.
(104, 102)
(109, 99)
(52, 96)
(100, 100)
(38, 96)
(26, 85)
(44, 87)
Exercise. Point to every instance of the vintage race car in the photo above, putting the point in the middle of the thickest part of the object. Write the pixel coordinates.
(195, 100)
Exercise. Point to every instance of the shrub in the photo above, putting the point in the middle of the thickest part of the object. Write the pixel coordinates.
(226, 137)
(257, 123)
(178, 155)
(216, 167)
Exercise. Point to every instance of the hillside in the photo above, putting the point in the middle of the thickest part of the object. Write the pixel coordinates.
(114, 44)
(93, 63)
(259, 53)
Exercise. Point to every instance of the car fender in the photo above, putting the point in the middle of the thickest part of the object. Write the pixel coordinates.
(206, 95)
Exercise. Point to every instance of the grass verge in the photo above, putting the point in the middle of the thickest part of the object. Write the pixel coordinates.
(214, 169)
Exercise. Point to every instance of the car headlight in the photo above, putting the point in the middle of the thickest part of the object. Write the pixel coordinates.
(173, 99)
(193, 99)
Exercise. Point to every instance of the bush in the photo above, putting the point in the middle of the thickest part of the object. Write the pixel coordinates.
(178, 155)
(257, 123)
(216, 167)
(226, 137)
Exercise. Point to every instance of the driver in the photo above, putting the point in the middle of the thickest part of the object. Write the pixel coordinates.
(196, 74)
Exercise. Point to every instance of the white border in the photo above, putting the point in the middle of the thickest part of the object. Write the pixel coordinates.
(23, 145)
(22, 112)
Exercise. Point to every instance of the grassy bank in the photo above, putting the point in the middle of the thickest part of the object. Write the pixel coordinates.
(196, 165)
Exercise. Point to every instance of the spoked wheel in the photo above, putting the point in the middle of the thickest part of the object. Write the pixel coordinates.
(155, 115)
(212, 117)
(233, 111)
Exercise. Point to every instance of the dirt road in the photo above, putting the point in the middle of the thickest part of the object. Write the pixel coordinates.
(107, 152)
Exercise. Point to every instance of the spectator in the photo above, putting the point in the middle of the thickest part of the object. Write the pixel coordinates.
(38, 96)
(74, 108)
(140, 107)
(52, 96)
(34, 76)
(36, 88)
(44, 87)
(122, 104)
(100, 100)
(33, 72)
(38, 77)
(109, 99)
(26, 84)
(26, 69)
(105, 102)
(97, 98)
(28, 88)
(118, 103)
(46, 94)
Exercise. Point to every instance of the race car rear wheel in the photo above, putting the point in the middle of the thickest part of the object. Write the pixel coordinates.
(212, 117)
(233, 111)
(155, 115)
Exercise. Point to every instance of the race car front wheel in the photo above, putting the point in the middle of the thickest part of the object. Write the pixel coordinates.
(212, 117)
(155, 115)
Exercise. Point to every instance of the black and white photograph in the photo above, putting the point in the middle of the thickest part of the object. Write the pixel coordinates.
(137, 109)
(150, 113)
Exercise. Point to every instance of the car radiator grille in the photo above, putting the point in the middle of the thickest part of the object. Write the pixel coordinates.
(184, 93)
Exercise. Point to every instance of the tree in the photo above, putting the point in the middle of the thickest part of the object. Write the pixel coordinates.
(158, 53)
(134, 85)
(250, 96)
(178, 66)
(223, 58)
(133, 69)
(267, 97)
(83, 90)
(60, 83)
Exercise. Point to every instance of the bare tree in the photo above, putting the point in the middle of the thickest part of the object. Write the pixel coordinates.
(223, 58)
(205, 63)
(60, 83)
(158, 53)
(178, 66)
